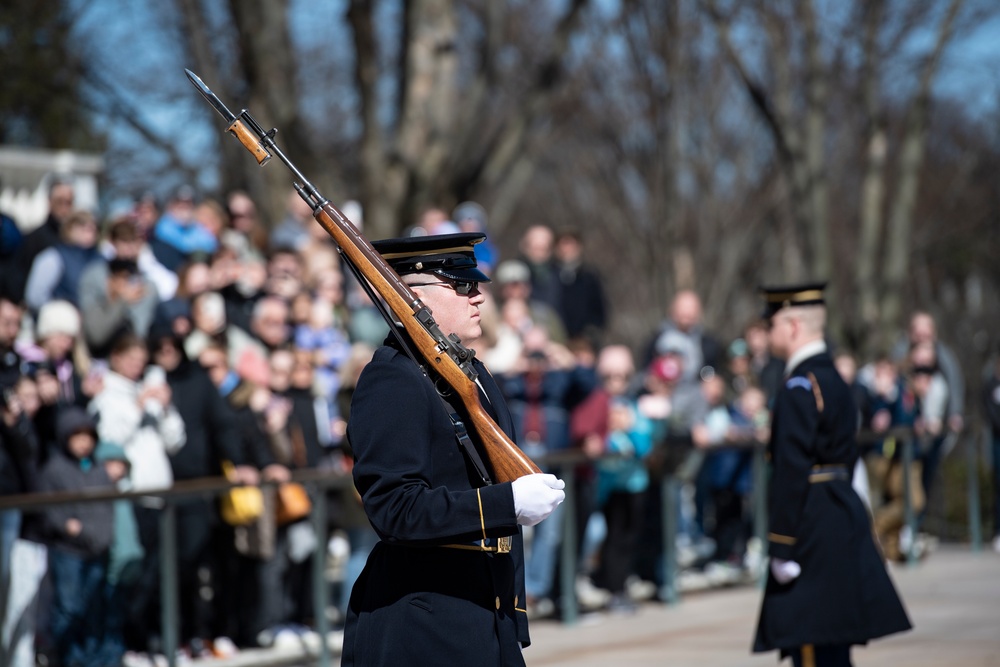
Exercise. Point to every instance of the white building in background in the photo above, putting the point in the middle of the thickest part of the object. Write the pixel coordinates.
(25, 175)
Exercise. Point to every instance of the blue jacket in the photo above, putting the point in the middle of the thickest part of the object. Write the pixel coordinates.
(553, 396)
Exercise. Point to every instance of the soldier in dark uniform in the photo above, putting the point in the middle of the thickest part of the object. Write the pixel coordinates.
(828, 587)
(445, 583)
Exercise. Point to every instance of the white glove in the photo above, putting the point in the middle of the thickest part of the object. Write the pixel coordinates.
(536, 496)
(785, 570)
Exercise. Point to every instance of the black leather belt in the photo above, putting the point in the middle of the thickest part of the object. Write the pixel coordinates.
(502, 546)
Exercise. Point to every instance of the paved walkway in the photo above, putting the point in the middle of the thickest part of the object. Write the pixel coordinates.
(953, 599)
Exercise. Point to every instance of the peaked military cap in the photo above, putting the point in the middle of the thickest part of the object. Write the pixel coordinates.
(447, 255)
(785, 296)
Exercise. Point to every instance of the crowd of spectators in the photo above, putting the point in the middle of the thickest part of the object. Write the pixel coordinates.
(195, 341)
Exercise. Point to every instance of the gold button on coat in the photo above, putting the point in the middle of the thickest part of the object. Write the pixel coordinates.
(498, 602)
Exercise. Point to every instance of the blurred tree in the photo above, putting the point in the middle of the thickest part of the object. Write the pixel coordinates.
(442, 114)
(40, 97)
(805, 58)
(710, 144)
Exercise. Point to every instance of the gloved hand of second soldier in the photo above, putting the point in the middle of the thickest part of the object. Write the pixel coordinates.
(536, 496)
(785, 570)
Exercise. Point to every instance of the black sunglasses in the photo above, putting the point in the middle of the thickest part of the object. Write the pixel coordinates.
(463, 287)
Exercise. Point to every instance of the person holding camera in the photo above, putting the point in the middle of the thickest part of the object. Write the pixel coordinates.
(542, 390)
(114, 296)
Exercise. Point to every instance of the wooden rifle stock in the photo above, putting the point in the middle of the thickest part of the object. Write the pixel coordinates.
(442, 355)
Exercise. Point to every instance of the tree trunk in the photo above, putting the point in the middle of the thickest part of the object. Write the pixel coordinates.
(873, 184)
(267, 60)
(910, 163)
(816, 192)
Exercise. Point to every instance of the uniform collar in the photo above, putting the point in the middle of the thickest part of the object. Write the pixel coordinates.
(810, 349)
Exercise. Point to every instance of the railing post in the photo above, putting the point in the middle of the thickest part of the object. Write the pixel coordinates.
(909, 516)
(568, 551)
(975, 512)
(321, 596)
(670, 487)
(760, 506)
(169, 616)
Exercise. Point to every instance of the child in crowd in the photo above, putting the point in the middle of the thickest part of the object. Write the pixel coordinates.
(328, 344)
(622, 482)
(733, 474)
(124, 558)
(79, 536)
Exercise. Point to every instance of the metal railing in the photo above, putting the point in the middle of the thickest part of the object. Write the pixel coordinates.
(320, 481)
(317, 481)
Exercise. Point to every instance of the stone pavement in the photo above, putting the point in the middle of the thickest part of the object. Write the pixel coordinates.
(953, 599)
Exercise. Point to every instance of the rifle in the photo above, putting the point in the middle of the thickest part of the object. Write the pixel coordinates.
(445, 355)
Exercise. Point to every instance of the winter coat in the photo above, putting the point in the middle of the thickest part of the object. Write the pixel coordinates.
(149, 434)
(65, 473)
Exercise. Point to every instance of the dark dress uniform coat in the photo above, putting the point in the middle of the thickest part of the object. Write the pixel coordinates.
(844, 595)
(418, 602)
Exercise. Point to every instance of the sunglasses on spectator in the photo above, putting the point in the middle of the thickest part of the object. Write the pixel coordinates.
(463, 287)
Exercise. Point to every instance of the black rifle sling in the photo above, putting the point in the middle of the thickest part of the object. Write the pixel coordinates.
(466, 445)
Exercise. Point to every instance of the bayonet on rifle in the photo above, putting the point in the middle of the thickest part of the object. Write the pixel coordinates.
(237, 124)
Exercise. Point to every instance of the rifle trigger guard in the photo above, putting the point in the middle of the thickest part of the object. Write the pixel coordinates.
(443, 389)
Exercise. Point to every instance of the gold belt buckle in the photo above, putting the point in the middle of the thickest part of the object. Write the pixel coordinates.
(503, 544)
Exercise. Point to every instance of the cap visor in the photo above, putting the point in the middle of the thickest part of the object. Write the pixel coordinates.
(469, 274)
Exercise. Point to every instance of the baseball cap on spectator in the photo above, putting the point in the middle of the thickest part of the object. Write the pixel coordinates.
(738, 348)
(671, 342)
(512, 271)
(184, 192)
(470, 211)
(57, 317)
(666, 368)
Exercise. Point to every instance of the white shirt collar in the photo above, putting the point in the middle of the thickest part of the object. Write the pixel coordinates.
(810, 349)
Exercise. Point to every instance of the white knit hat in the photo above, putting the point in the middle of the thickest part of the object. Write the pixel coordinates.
(57, 317)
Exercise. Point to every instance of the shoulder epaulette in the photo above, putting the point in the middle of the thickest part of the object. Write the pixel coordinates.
(798, 381)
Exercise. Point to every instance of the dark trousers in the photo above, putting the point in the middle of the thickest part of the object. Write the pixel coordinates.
(623, 512)
(75, 624)
(114, 605)
(196, 568)
(649, 561)
(142, 623)
(285, 587)
(586, 505)
(237, 594)
(931, 460)
(838, 655)
(730, 527)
